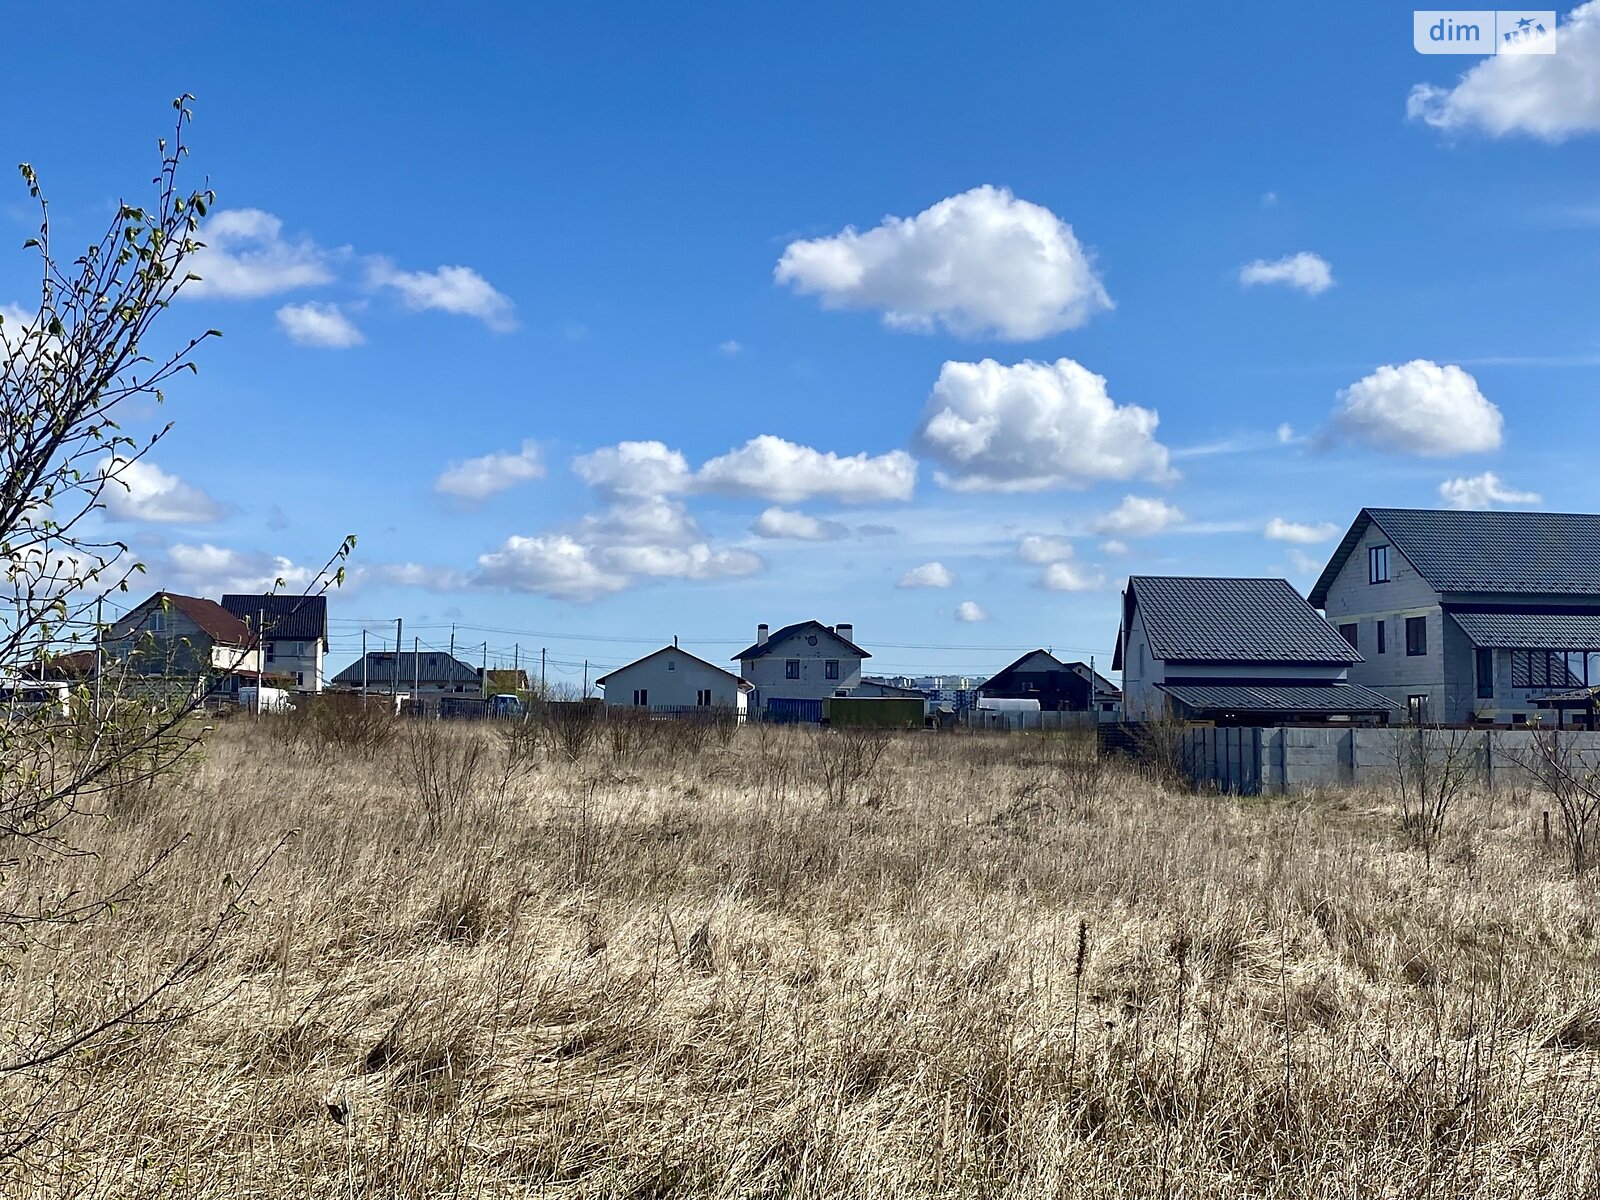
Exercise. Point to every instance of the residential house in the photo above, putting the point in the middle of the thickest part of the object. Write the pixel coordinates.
(1057, 686)
(1234, 651)
(800, 666)
(886, 689)
(182, 646)
(423, 674)
(294, 634)
(672, 680)
(1468, 616)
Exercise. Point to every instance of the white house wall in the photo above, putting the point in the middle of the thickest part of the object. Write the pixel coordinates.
(671, 680)
(769, 673)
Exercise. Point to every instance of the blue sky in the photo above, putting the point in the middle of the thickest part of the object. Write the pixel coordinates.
(443, 236)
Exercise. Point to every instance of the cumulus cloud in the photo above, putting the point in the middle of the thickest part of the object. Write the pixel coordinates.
(1037, 548)
(555, 565)
(1546, 96)
(1113, 546)
(1483, 491)
(978, 264)
(1071, 577)
(1418, 408)
(798, 526)
(1139, 516)
(246, 256)
(969, 613)
(1279, 530)
(634, 469)
(207, 570)
(480, 478)
(928, 575)
(138, 490)
(1035, 426)
(729, 347)
(458, 290)
(774, 469)
(1306, 272)
(316, 324)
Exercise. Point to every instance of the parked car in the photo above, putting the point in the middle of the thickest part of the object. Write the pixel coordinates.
(273, 700)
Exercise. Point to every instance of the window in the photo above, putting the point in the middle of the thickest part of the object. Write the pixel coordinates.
(1417, 709)
(672, 664)
(830, 668)
(1350, 633)
(1377, 564)
(299, 679)
(641, 697)
(791, 669)
(1485, 674)
(1383, 635)
(1416, 636)
(703, 697)
(156, 622)
(272, 651)
(1550, 669)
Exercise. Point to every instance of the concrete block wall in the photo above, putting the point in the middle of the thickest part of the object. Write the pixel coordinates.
(1294, 760)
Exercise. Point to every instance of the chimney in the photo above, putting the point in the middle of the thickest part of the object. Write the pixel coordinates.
(847, 632)
(761, 634)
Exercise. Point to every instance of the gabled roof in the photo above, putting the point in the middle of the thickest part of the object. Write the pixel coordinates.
(778, 635)
(217, 622)
(1528, 631)
(299, 618)
(1100, 682)
(1518, 552)
(743, 683)
(435, 666)
(1054, 664)
(1330, 699)
(1196, 620)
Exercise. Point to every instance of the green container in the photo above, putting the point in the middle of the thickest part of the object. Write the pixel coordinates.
(849, 712)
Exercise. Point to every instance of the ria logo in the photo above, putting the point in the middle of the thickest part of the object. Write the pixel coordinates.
(1483, 31)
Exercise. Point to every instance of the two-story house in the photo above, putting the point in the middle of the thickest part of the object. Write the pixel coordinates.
(1468, 616)
(181, 646)
(800, 666)
(673, 680)
(1236, 652)
(294, 632)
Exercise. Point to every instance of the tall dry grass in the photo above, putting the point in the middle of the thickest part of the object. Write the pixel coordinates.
(992, 971)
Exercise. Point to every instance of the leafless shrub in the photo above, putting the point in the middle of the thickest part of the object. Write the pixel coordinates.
(360, 725)
(1433, 768)
(1162, 749)
(1571, 777)
(442, 765)
(628, 732)
(572, 725)
(522, 743)
(847, 759)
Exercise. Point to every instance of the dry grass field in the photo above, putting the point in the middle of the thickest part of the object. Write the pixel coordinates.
(670, 969)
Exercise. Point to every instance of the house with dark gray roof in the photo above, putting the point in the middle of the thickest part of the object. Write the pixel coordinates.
(294, 633)
(426, 674)
(1057, 686)
(1236, 652)
(800, 666)
(1468, 617)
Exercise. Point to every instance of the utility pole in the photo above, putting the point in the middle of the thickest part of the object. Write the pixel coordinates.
(585, 695)
(541, 669)
(416, 671)
(99, 659)
(516, 663)
(452, 641)
(261, 650)
(363, 664)
(394, 672)
(484, 674)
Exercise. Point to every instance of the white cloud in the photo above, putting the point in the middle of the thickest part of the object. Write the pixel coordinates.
(138, 490)
(1419, 408)
(1306, 272)
(480, 478)
(634, 469)
(1034, 426)
(976, 264)
(316, 324)
(698, 561)
(729, 347)
(787, 523)
(1285, 434)
(928, 575)
(1269, 199)
(1139, 516)
(553, 565)
(1113, 546)
(1546, 96)
(1304, 565)
(1483, 491)
(969, 613)
(641, 521)
(245, 256)
(208, 570)
(458, 290)
(1279, 530)
(774, 469)
(1071, 577)
(1036, 548)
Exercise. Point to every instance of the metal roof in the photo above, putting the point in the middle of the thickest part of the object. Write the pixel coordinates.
(430, 665)
(778, 635)
(1518, 552)
(1192, 619)
(745, 684)
(1279, 698)
(218, 623)
(299, 618)
(1531, 631)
